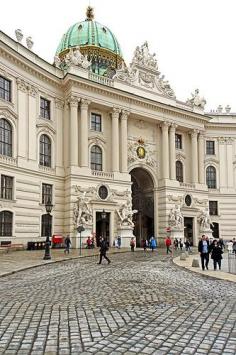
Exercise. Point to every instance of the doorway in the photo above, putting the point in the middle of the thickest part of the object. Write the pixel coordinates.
(215, 230)
(143, 202)
(102, 227)
(188, 229)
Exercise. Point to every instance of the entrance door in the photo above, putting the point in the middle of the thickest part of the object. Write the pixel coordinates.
(102, 227)
(142, 201)
(215, 230)
(188, 229)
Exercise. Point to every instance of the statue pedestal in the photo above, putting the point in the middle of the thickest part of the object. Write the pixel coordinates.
(177, 233)
(75, 240)
(126, 233)
(207, 233)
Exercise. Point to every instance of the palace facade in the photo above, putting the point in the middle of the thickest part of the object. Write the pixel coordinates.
(92, 134)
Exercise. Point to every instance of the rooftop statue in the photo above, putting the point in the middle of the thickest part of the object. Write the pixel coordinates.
(196, 100)
(142, 56)
(73, 57)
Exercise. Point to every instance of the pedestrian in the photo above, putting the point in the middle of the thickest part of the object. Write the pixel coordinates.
(132, 244)
(203, 249)
(216, 254)
(176, 243)
(221, 243)
(119, 241)
(234, 246)
(153, 243)
(89, 243)
(168, 244)
(145, 244)
(230, 247)
(187, 246)
(103, 250)
(67, 244)
(181, 244)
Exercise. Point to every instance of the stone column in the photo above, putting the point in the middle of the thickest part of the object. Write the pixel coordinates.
(84, 133)
(73, 101)
(172, 152)
(22, 121)
(124, 141)
(59, 124)
(115, 139)
(194, 156)
(165, 150)
(32, 143)
(201, 154)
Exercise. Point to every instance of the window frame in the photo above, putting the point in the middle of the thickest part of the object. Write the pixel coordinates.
(211, 182)
(177, 141)
(7, 192)
(213, 208)
(94, 165)
(6, 131)
(179, 177)
(44, 146)
(46, 195)
(6, 227)
(7, 93)
(210, 150)
(45, 112)
(46, 224)
(93, 124)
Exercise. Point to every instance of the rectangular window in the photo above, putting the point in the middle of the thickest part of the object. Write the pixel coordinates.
(5, 89)
(7, 187)
(44, 108)
(96, 122)
(213, 208)
(178, 141)
(210, 147)
(46, 193)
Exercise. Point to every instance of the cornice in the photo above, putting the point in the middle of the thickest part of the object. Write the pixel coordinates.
(30, 67)
(7, 111)
(46, 126)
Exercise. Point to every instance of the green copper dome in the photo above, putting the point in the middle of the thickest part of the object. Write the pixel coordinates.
(89, 33)
(94, 41)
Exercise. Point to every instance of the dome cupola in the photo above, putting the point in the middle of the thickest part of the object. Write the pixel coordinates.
(95, 41)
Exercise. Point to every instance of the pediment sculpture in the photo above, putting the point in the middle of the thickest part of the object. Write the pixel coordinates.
(143, 72)
(196, 100)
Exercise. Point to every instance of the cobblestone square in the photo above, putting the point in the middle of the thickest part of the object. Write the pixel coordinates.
(139, 304)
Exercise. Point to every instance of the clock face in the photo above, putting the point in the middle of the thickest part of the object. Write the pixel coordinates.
(141, 152)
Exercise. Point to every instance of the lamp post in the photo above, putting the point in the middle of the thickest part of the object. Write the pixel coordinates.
(80, 229)
(104, 216)
(48, 206)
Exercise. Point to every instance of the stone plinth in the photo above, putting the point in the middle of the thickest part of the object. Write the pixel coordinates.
(195, 263)
(75, 240)
(207, 233)
(177, 233)
(126, 233)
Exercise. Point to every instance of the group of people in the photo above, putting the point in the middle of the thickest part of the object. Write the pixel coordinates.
(149, 243)
(207, 247)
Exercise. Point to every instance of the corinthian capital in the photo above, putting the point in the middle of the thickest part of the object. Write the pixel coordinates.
(173, 127)
(59, 103)
(84, 104)
(125, 114)
(165, 125)
(32, 90)
(194, 133)
(116, 112)
(73, 101)
(21, 85)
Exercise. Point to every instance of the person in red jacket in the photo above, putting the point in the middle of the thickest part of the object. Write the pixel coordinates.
(168, 244)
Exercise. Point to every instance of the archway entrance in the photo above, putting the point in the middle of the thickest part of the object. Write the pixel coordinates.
(143, 201)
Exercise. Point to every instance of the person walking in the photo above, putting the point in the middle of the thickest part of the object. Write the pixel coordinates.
(203, 249)
(168, 245)
(103, 250)
(119, 241)
(132, 244)
(153, 243)
(216, 254)
(67, 244)
(234, 246)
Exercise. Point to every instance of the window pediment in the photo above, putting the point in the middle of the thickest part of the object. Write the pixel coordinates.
(7, 112)
(211, 160)
(46, 127)
(97, 140)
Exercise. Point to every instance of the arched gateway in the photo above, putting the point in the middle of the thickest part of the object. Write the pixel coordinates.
(143, 201)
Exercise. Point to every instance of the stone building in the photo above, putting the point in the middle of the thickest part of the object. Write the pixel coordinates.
(92, 134)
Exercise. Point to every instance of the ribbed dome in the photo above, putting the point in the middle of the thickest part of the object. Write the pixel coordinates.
(89, 33)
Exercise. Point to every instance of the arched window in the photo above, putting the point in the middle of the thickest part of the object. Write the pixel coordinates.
(46, 225)
(211, 177)
(5, 137)
(6, 219)
(45, 151)
(179, 171)
(96, 158)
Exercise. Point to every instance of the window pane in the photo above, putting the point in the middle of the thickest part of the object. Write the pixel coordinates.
(5, 137)
(210, 147)
(44, 108)
(5, 89)
(213, 208)
(6, 218)
(96, 122)
(96, 158)
(178, 141)
(6, 187)
(46, 193)
(45, 151)
(211, 177)
(179, 171)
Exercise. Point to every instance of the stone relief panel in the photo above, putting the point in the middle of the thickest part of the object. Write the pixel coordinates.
(141, 151)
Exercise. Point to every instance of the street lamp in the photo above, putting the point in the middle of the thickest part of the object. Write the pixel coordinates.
(80, 229)
(104, 216)
(48, 206)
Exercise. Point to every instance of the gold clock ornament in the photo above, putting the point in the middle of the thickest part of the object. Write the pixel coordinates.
(141, 152)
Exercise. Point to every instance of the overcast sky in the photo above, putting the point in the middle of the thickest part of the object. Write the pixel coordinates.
(194, 39)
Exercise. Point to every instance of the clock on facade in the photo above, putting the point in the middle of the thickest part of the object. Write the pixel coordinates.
(141, 152)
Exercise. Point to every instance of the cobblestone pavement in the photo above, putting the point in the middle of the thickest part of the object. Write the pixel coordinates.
(139, 304)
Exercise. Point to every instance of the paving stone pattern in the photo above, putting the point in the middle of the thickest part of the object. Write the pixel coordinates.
(139, 304)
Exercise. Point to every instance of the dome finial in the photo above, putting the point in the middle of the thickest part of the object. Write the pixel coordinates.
(89, 13)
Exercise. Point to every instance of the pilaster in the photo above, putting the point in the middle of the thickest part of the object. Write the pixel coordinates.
(115, 139)
(124, 141)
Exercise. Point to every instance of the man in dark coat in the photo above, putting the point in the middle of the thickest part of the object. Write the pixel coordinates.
(203, 249)
(103, 250)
